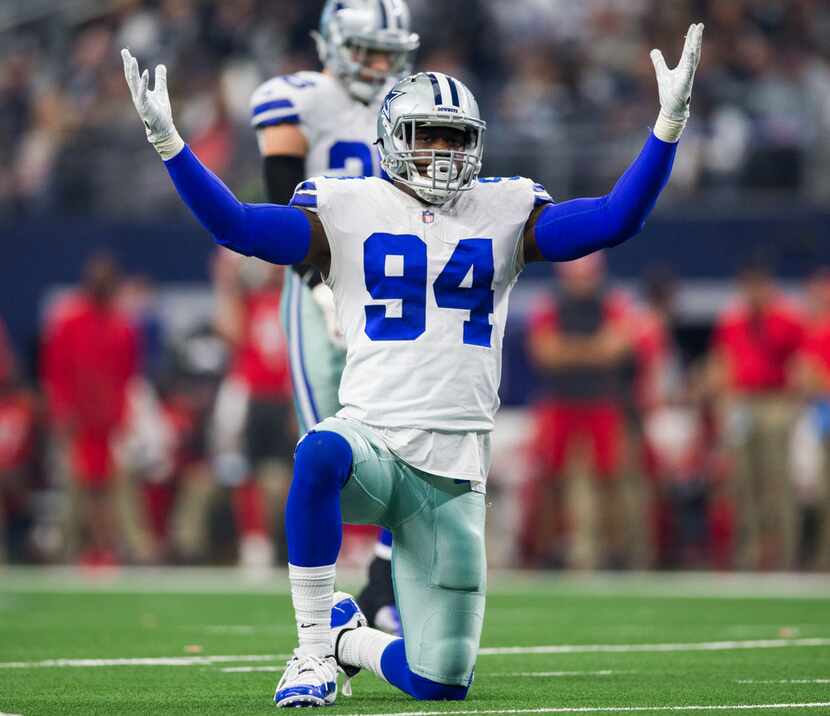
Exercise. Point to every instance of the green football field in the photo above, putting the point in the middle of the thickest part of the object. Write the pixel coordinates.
(192, 642)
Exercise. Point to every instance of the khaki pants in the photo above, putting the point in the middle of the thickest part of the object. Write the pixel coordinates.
(758, 431)
(822, 561)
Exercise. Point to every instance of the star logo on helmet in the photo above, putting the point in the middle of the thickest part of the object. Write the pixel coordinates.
(387, 103)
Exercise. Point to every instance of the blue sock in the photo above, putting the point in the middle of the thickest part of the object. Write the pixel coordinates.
(396, 670)
(313, 523)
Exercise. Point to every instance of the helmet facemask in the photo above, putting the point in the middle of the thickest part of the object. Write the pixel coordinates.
(435, 175)
(346, 49)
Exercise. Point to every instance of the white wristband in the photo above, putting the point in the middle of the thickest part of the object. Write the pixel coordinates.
(169, 146)
(668, 129)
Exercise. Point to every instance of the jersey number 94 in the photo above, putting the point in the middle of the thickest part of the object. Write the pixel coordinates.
(395, 268)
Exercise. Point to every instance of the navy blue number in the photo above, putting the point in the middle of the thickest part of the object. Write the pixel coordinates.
(296, 82)
(476, 256)
(341, 152)
(406, 284)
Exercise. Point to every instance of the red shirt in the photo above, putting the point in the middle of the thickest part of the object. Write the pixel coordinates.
(817, 343)
(262, 358)
(582, 317)
(90, 355)
(653, 351)
(758, 348)
(545, 316)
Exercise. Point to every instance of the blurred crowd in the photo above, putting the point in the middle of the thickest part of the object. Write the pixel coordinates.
(643, 458)
(567, 88)
(135, 446)
(138, 449)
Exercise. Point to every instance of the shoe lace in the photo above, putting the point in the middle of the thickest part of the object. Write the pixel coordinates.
(317, 665)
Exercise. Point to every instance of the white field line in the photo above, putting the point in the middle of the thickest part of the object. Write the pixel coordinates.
(150, 661)
(654, 648)
(485, 674)
(610, 709)
(782, 681)
(251, 669)
(603, 672)
(236, 629)
(491, 651)
(182, 580)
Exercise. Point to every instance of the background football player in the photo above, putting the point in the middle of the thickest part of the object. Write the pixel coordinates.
(421, 266)
(316, 123)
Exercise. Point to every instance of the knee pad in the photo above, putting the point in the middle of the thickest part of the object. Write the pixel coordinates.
(322, 458)
(428, 690)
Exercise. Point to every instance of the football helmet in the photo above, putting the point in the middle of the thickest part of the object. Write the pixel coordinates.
(350, 30)
(430, 99)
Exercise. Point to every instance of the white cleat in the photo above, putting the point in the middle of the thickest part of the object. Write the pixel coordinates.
(345, 616)
(308, 681)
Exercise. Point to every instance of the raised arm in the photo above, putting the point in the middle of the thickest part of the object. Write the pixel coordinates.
(274, 233)
(567, 231)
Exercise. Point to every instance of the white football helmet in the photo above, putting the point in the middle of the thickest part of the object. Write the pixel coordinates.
(351, 29)
(430, 99)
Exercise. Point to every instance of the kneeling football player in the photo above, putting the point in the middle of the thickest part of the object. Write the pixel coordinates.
(421, 266)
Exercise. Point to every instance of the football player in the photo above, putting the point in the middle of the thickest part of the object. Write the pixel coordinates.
(421, 265)
(315, 123)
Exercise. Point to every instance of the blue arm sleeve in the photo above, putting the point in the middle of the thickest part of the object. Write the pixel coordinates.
(279, 234)
(579, 227)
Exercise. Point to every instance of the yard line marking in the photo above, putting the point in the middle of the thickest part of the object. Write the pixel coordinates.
(782, 681)
(250, 669)
(490, 651)
(485, 674)
(243, 629)
(609, 709)
(149, 661)
(603, 672)
(639, 648)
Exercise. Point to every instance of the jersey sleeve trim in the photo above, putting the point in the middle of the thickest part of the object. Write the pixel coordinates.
(541, 196)
(305, 196)
(275, 112)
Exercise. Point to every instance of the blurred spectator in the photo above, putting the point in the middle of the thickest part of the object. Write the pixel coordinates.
(17, 456)
(812, 375)
(753, 348)
(679, 451)
(137, 299)
(578, 342)
(179, 505)
(90, 358)
(565, 86)
(253, 425)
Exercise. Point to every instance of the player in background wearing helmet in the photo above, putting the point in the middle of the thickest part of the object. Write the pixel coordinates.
(315, 123)
(421, 266)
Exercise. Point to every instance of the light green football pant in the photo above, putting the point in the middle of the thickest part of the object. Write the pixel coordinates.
(316, 364)
(438, 557)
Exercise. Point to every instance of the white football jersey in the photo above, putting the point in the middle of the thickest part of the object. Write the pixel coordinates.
(421, 294)
(340, 131)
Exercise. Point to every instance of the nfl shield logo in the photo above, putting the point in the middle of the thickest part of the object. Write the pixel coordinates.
(427, 217)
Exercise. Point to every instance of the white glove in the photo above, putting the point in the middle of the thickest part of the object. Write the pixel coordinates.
(324, 298)
(153, 107)
(675, 86)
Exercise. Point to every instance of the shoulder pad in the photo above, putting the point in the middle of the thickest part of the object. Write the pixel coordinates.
(285, 99)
